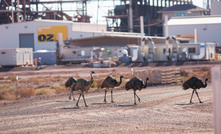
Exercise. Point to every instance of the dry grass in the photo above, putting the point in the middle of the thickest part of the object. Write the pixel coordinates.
(202, 73)
(8, 92)
(4, 90)
(44, 79)
(43, 91)
(13, 78)
(27, 92)
(59, 88)
(11, 88)
(2, 78)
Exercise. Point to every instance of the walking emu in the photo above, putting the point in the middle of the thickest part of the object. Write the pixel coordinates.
(69, 83)
(84, 86)
(110, 82)
(136, 84)
(194, 83)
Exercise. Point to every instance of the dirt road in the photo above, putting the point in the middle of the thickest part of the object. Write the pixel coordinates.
(162, 109)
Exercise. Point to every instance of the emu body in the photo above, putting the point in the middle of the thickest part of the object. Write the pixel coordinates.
(69, 83)
(83, 85)
(110, 82)
(136, 84)
(194, 83)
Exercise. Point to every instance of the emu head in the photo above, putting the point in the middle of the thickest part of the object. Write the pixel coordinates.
(92, 72)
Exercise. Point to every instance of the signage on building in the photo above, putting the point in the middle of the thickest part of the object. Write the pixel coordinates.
(50, 33)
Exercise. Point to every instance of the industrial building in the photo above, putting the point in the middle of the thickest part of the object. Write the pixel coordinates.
(153, 50)
(43, 34)
(123, 16)
(126, 39)
(207, 28)
(186, 20)
(181, 11)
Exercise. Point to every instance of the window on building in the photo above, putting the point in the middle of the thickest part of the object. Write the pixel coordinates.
(81, 53)
(192, 50)
(180, 13)
(3, 52)
(74, 52)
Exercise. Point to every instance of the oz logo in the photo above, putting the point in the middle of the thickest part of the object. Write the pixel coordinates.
(46, 37)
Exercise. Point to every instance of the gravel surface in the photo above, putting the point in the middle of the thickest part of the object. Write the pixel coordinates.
(162, 109)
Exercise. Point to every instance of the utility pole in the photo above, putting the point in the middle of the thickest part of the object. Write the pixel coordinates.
(18, 13)
(12, 12)
(130, 17)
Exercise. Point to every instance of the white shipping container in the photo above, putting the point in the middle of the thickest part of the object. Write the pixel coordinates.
(16, 56)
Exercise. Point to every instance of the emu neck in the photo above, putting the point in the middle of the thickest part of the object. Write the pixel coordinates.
(92, 79)
(144, 86)
(205, 85)
(118, 83)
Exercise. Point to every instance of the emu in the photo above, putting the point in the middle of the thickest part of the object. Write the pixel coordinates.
(194, 83)
(110, 82)
(136, 84)
(69, 83)
(83, 85)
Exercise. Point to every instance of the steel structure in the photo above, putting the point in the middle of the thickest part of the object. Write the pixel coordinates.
(126, 17)
(123, 17)
(26, 10)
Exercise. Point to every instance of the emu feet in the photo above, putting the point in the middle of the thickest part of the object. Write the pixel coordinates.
(139, 99)
(70, 98)
(78, 105)
(192, 102)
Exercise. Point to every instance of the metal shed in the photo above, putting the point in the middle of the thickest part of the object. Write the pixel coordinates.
(47, 57)
(16, 56)
(207, 28)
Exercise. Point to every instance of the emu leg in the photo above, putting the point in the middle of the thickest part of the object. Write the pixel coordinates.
(71, 93)
(73, 96)
(191, 96)
(105, 92)
(78, 100)
(70, 96)
(135, 98)
(198, 97)
(84, 100)
(112, 100)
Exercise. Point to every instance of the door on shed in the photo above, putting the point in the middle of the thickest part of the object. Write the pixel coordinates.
(26, 41)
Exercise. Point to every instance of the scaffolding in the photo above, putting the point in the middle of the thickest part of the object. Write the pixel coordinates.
(124, 17)
(12, 11)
